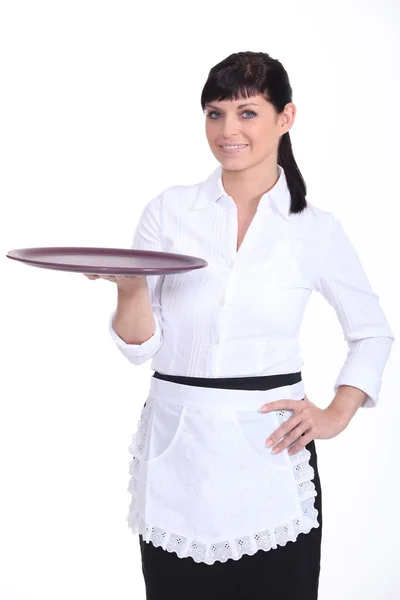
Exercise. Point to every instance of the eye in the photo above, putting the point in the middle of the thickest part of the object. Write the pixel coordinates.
(215, 112)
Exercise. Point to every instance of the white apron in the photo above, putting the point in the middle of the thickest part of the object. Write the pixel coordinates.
(203, 482)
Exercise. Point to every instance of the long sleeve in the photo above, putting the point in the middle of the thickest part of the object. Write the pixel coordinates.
(147, 236)
(342, 281)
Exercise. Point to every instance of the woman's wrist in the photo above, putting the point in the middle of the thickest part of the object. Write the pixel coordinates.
(347, 401)
(133, 287)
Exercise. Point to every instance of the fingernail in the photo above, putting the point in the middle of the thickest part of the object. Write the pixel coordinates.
(275, 450)
(264, 408)
(269, 442)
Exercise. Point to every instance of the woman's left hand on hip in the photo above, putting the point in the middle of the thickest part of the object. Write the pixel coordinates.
(308, 422)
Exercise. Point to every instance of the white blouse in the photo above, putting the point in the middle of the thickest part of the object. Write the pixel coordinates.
(241, 315)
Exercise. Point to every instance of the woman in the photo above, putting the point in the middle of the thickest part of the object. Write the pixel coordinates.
(219, 513)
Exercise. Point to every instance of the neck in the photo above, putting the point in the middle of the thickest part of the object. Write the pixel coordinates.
(246, 186)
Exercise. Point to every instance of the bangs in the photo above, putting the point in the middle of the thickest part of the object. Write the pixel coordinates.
(233, 83)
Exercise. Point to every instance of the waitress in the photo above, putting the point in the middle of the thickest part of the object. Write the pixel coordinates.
(226, 494)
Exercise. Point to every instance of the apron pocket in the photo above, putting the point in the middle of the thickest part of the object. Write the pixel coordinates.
(162, 430)
(254, 428)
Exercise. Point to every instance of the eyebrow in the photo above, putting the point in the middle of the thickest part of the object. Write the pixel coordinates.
(238, 106)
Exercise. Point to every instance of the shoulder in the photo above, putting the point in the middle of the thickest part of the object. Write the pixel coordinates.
(318, 215)
(318, 221)
(175, 197)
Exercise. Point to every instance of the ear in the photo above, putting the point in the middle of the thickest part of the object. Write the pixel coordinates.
(288, 116)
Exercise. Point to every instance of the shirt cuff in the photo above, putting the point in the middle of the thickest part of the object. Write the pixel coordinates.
(363, 378)
(141, 352)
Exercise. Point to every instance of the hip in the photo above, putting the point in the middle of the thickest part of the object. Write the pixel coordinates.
(215, 420)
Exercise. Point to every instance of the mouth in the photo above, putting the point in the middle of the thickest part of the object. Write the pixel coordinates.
(232, 148)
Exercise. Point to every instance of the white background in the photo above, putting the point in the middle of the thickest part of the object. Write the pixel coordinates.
(100, 111)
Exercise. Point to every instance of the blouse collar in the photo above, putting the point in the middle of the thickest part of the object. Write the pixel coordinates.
(212, 190)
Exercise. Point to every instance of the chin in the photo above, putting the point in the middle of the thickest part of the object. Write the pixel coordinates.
(234, 165)
(230, 167)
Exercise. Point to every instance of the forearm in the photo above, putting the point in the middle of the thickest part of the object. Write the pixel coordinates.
(133, 320)
(347, 401)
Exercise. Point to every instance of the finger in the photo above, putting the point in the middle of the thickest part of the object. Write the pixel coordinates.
(284, 429)
(280, 405)
(91, 276)
(294, 435)
(302, 443)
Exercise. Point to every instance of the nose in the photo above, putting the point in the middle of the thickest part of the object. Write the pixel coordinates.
(229, 126)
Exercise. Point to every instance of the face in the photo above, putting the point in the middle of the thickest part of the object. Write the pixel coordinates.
(252, 122)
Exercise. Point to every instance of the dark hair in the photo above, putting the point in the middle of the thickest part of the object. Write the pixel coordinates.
(246, 74)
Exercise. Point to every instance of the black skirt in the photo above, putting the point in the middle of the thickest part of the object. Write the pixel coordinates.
(282, 573)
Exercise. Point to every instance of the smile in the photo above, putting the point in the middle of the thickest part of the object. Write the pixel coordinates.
(233, 148)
